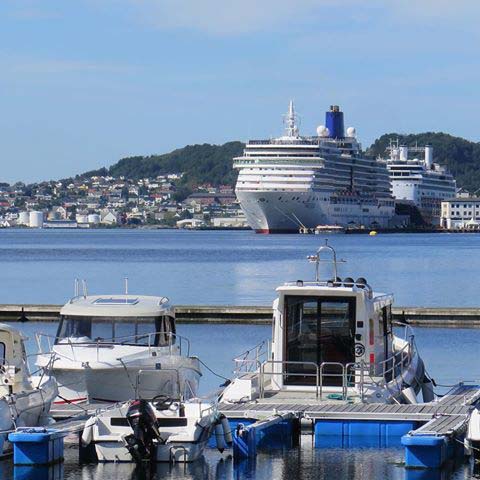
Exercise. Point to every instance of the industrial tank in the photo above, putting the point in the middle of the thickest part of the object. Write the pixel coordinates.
(23, 218)
(36, 219)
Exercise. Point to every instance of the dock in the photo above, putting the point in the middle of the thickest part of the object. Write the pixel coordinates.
(452, 317)
(431, 432)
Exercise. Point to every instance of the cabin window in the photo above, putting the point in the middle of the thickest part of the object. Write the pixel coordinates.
(157, 331)
(318, 331)
(3, 352)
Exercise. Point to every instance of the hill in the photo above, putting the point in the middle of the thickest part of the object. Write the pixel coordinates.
(461, 156)
(200, 164)
(213, 163)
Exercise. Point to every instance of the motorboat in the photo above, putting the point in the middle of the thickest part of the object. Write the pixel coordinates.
(25, 399)
(104, 341)
(159, 429)
(333, 339)
(321, 229)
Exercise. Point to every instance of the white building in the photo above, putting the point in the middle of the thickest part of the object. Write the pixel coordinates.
(461, 213)
(230, 222)
(190, 223)
(108, 218)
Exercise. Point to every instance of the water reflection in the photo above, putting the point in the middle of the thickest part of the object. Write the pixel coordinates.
(305, 463)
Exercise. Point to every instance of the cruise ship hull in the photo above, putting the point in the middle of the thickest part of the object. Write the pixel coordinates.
(288, 212)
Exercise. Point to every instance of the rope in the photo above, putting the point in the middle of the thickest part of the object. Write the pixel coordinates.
(211, 371)
(73, 403)
(462, 442)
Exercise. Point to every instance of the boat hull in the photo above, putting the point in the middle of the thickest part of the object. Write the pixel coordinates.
(115, 382)
(281, 212)
(30, 409)
(183, 439)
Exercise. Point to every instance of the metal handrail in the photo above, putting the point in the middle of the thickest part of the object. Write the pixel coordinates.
(245, 364)
(181, 391)
(395, 365)
(293, 374)
(151, 342)
(342, 375)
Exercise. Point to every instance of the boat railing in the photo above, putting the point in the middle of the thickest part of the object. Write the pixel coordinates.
(177, 390)
(359, 374)
(45, 343)
(265, 377)
(251, 360)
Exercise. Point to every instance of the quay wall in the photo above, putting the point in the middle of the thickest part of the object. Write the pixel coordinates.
(258, 315)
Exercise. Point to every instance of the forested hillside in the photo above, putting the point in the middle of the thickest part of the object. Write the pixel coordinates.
(213, 163)
(200, 164)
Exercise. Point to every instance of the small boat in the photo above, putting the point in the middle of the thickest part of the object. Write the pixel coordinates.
(333, 339)
(372, 233)
(163, 429)
(24, 399)
(104, 341)
(320, 229)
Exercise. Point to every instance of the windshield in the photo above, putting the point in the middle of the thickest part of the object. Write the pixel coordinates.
(155, 331)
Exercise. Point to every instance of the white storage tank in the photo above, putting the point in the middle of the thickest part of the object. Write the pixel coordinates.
(82, 218)
(36, 219)
(94, 218)
(23, 218)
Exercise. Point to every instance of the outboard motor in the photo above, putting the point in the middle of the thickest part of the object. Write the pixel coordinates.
(141, 418)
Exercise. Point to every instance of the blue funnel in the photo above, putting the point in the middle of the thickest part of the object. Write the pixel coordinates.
(334, 122)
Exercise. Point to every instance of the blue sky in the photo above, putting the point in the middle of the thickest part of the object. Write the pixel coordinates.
(86, 82)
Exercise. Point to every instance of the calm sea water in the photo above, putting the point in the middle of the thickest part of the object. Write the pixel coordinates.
(243, 268)
(227, 267)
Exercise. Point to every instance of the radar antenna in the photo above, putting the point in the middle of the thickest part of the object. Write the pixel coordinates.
(316, 259)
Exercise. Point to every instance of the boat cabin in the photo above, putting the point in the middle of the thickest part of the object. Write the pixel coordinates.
(324, 329)
(14, 373)
(120, 319)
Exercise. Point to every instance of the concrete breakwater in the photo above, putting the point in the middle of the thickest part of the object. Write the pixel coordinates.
(258, 315)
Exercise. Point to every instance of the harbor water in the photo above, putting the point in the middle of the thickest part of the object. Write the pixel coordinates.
(229, 267)
(243, 268)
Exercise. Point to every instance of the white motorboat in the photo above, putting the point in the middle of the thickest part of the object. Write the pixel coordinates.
(104, 341)
(333, 339)
(162, 429)
(24, 399)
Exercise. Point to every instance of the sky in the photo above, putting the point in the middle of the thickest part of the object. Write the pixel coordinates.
(84, 83)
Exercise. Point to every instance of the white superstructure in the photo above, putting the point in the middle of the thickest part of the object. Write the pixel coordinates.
(420, 181)
(293, 182)
(332, 339)
(104, 343)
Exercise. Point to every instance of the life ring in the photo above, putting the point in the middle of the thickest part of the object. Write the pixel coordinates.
(359, 349)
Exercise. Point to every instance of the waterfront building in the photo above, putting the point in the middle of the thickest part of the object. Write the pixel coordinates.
(461, 214)
(294, 182)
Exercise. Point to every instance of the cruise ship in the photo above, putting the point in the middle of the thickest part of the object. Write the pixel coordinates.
(295, 182)
(420, 182)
